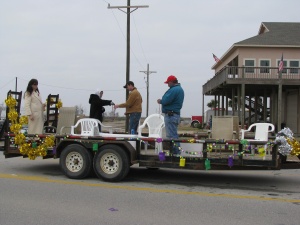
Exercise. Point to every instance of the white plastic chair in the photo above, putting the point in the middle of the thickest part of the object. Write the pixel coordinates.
(261, 131)
(89, 127)
(155, 124)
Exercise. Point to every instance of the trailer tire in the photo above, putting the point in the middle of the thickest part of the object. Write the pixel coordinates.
(76, 161)
(195, 124)
(111, 163)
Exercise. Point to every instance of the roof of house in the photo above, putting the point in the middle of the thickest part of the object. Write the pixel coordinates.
(275, 33)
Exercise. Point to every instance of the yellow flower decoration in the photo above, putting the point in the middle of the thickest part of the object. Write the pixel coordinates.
(295, 146)
(15, 128)
(10, 102)
(261, 151)
(23, 120)
(13, 115)
(32, 150)
(59, 104)
(20, 139)
(49, 141)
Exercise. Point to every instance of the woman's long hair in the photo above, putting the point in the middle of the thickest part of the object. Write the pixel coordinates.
(29, 88)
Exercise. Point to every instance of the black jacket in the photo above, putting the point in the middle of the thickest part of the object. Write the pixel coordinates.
(97, 109)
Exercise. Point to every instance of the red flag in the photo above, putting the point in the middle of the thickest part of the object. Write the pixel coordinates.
(216, 58)
(280, 66)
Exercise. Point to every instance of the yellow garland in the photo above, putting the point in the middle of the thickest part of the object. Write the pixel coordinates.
(59, 104)
(20, 139)
(295, 146)
(15, 128)
(13, 115)
(23, 120)
(10, 102)
(29, 149)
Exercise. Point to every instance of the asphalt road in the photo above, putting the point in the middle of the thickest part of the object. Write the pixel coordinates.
(36, 192)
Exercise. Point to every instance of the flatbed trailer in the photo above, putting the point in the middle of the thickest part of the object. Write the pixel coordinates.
(111, 155)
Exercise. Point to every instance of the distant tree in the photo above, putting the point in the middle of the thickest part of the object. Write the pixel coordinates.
(79, 109)
(213, 104)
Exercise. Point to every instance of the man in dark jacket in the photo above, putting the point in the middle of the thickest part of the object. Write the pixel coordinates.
(97, 103)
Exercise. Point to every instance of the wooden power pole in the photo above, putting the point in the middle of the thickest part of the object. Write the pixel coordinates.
(129, 10)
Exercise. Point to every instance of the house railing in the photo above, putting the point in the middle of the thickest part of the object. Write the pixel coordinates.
(250, 73)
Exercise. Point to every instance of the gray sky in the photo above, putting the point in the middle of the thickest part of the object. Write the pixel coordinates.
(74, 47)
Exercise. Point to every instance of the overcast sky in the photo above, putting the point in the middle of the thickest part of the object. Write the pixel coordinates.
(74, 47)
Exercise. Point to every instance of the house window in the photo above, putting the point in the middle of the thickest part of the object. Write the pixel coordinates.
(249, 64)
(265, 64)
(284, 65)
(294, 66)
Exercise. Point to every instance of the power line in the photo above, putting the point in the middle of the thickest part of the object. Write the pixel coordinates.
(69, 88)
(129, 9)
(140, 40)
(7, 83)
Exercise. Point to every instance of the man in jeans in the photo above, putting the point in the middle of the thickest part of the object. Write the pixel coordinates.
(133, 106)
(171, 103)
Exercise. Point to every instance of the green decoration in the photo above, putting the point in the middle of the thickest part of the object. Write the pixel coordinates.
(34, 144)
(95, 147)
(207, 164)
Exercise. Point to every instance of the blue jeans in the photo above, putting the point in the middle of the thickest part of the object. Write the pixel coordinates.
(171, 124)
(134, 119)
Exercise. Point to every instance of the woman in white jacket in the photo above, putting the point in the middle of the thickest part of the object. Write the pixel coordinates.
(34, 108)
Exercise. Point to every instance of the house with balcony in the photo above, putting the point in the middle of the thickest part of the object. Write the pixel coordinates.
(248, 81)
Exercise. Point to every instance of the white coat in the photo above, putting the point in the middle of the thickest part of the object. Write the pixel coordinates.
(34, 106)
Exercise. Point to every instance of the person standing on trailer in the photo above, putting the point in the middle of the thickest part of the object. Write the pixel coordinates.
(172, 102)
(34, 108)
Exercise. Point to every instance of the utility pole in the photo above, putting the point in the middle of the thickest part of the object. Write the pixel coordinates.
(128, 11)
(148, 73)
(16, 87)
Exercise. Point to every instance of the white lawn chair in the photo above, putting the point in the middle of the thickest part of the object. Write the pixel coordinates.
(261, 133)
(89, 127)
(155, 124)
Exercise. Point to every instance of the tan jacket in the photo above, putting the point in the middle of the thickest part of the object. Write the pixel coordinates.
(133, 103)
(34, 106)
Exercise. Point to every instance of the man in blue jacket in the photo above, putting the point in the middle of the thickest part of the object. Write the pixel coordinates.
(171, 103)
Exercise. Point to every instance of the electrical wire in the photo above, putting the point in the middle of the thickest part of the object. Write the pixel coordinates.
(139, 40)
(131, 50)
(6, 83)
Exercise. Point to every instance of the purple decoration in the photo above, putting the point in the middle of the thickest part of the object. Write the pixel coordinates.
(230, 161)
(113, 209)
(159, 140)
(54, 150)
(161, 156)
(226, 146)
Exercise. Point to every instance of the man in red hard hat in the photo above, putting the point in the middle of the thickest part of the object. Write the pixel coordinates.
(172, 102)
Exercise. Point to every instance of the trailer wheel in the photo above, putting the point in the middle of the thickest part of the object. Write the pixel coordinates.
(76, 161)
(195, 124)
(111, 163)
